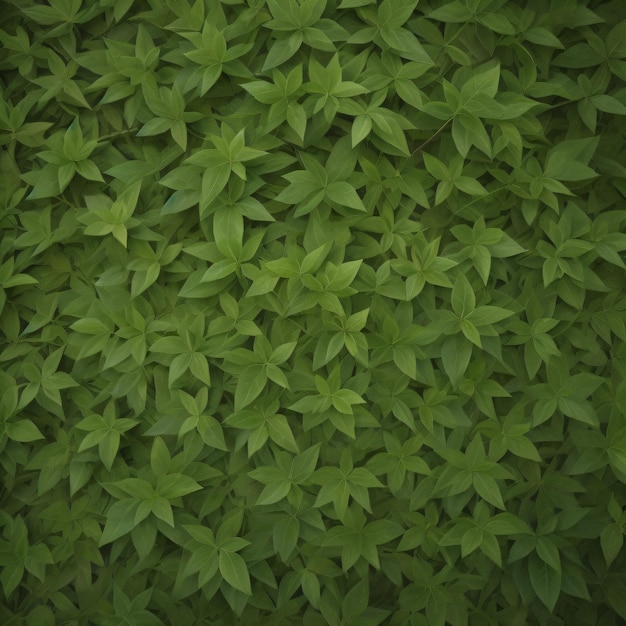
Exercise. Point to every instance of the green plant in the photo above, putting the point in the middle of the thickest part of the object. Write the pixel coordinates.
(312, 312)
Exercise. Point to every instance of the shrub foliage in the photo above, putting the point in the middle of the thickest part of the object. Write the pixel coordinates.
(313, 312)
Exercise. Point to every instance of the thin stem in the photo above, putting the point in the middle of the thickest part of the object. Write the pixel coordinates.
(427, 141)
(458, 32)
(478, 199)
(118, 133)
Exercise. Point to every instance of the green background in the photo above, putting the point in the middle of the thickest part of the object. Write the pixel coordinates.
(312, 312)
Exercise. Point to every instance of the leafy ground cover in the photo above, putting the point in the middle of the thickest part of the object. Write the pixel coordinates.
(313, 312)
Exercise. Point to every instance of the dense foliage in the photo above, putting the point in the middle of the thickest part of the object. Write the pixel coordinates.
(313, 312)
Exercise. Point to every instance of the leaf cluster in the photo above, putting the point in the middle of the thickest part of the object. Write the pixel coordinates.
(312, 312)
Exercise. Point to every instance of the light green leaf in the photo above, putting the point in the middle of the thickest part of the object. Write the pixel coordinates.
(250, 384)
(214, 180)
(235, 572)
(23, 430)
(463, 298)
(344, 194)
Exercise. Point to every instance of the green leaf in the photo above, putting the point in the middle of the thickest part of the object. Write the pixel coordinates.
(463, 298)
(214, 180)
(567, 160)
(219, 270)
(452, 12)
(488, 489)
(470, 186)
(304, 464)
(336, 277)
(436, 167)
(250, 384)
(507, 524)
(120, 520)
(580, 55)
(285, 536)
(545, 581)
(455, 355)
(543, 37)
(283, 352)
(387, 127)
(23, 430)
(160, 460)
(549, 553)
(228, 232)
(485, 315)
(484, 81)
(471, 332)
(361, 128)
(282, 50)
(580, 386)
(394, 13)
(233, 568)
(274, 492)
(342, 193)
(173, 486)
(611, 540)
(406, 44)
(523, 447)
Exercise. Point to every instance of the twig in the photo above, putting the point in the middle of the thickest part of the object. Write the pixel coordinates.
(427, 141)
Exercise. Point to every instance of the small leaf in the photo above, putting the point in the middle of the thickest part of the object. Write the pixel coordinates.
(23, 430)
(120, 520)
(342, 193)
(250, 384)
(543, 37)
(455, 354)
(235, 572)
(545, 581)
(463, 298)
(611, 541)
